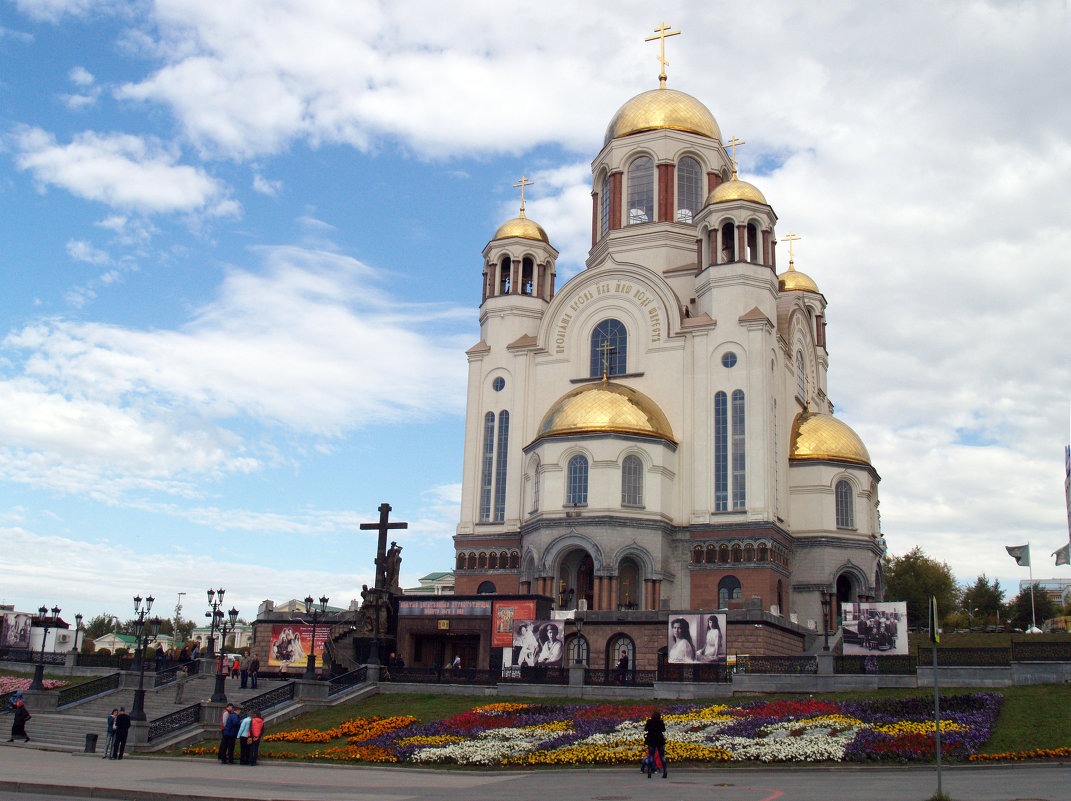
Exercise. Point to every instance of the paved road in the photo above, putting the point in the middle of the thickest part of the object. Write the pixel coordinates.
(27, 775)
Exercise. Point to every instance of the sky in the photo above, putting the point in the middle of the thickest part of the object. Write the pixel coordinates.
(241, 258)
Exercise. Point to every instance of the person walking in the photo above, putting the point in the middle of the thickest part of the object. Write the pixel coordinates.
(122, 730)
(256, 731)
(254, 669)
(654, 734)
(243, 668)
(18, 726)
(182, 675)
(110, 739)
(243, 738)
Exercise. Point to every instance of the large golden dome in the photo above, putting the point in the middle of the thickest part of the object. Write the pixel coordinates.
(735, 190)
(522, 227)
(605, 407)
(662, 108)
(793, 279)
(818, 436)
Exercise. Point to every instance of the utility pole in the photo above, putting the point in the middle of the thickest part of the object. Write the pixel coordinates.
(178, 620)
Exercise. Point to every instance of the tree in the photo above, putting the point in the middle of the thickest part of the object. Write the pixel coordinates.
(98, 626)
(1019, 608)
(983, 599)
(914, 577)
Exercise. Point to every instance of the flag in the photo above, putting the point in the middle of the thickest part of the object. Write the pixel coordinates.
(1063, 555)
(1020, 553)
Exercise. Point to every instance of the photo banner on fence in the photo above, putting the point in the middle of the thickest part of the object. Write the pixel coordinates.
(16, 631)
(696, 637)
(873, 629)
(292, 642)
(506, 612)
(538, 643)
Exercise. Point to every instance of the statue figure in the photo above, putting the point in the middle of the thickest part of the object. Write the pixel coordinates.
(393, 567)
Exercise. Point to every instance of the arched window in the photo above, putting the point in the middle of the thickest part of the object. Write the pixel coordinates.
(845, 505)
(617, 644)
(721, 452)
(697, 555)
(609, 348)
(527, 276)
(461, 561)
(492, 470)
(737, 554)
(535, 486)
(739, 455)
(492, 561)
(481, 563)
(632, 481)
(761, 552)
(629, 586)
(515, 560)
(780, 598)
(728, 243)
(486, 588)
(500, 466)
(801, 378)
(689, 189)
(728, 590)
(753, 244)
(749, 553)
(472, 560)
(641, 190)
(723, 554)
(504, 280)
(576, 491)
(577, 649)
(604, 206)
(487, 467)
(712, 554)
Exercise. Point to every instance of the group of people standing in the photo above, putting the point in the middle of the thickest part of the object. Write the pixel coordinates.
(118, 730)
(244, 729)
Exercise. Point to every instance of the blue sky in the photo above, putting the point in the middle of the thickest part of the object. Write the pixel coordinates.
(241, 248)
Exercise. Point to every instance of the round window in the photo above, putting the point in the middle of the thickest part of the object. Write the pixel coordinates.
(728, 360)
(498, 384)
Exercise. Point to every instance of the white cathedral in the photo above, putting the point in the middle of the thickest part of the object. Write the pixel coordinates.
(656, 433)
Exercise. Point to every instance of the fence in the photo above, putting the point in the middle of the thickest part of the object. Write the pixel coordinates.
(708, 672)
(797, 665)
(274, 697)
(346, 680)
(965, 657)
(189, 716)
(854, 664)
(87, 689)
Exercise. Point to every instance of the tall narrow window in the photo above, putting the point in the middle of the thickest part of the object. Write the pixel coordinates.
(729, 589)
(604, 206)
(535, 486)
(487, 468)
(500, 466)
(721, 452)
(632, 481)
(801, 378)
(845, 505)
(739, 453)
(609, 348)
(689, 189)
(576, 491)
(641, 191)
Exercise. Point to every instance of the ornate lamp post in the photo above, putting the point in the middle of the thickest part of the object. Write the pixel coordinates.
(224, 626)
(825, 620)
(317, 615)
(579, 652)
(215, 600)
(38, 682)
(77, 630)
(146, 634)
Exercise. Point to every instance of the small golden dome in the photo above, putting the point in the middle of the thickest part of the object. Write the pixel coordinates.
(735, 190)
(822, 436)
(662, 108)
(522, 227)
(605, 407)
(793, 279)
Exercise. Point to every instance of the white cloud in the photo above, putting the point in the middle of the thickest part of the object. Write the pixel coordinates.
(265, 186)
(80, 250)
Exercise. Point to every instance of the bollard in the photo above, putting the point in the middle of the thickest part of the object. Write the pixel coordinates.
(91, 744)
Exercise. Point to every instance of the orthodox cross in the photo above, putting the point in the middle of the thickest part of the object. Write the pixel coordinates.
(605, 349)
(381, 550)
(734, 143)
(522, 184)
(662, 32)
(790, 238)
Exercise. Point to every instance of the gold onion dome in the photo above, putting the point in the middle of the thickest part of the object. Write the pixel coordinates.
(662, 108)
(736, 190)
(793, 279)
(521, 227)
(605, 408)
(817, 436)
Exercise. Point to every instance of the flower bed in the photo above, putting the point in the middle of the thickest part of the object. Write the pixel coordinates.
(9, 684)
(802, 730)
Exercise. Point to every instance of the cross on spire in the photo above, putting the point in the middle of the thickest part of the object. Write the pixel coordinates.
(522, 184)
(734, 143)
(605, 349)
(662, 31)
(381, 550)
(790, 238)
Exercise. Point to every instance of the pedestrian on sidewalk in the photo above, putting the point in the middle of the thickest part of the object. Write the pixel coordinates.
(254, 670)
(256, 731)
(231, 723)
(243, 738)
(655, 736)
(110, 739)
(182, 675)
(18, 726)
(122, 729)
(243, 667)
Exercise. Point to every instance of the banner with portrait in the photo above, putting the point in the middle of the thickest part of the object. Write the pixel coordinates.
(291, 644)
(538, 643)
(506, 612)
(696, 637)
(873, 629)
(15, 630)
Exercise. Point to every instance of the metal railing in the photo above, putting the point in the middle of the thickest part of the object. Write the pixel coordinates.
(706, 672)
(162, 678)
(526, 674)
(965, 657)
(189, 716)
(346, 680)
(32, 657)
(87, 689)
(273, 697)
(869, 664)
(1025, 651)
(798, 665)
(600, 677)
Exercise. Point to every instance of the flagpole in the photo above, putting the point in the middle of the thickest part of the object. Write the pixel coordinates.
(1030, 565)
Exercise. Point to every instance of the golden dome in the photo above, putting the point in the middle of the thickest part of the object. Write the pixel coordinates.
(605, 407)
(793, 279)
(821, 436)
(735, 190)
(522, 227)
(662, 108)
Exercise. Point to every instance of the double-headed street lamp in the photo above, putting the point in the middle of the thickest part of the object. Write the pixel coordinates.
(146, 632)
(77, 631)
(825, 620)
(47, 623)
(223, 625)
(215, 600)
(317, 615)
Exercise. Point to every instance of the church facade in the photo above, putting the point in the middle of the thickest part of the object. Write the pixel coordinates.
(656, 433)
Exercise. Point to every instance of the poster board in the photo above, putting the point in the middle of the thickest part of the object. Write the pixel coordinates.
(292, 642)
(505, 613)
(696, 637)
(538, 643)
(873, 629)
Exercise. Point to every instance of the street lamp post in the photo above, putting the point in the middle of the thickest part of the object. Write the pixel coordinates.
(317, 615)
(825, 621)
(579, 652)
(215, 600)
(223, 626)
(77, 631)
(48, 623)
(145, 635)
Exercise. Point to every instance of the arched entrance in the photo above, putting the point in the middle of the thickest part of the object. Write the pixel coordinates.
(576, 579)
(628, 585)
(846, 594)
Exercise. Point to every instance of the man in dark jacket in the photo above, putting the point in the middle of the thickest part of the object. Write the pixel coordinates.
(654, 733)
(231, 723)
(122, 729)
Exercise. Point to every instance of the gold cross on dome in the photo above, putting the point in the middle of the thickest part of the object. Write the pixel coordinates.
(662, 32)
(605, 349)
(790, 238)
(734, 143)
(522, 184)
